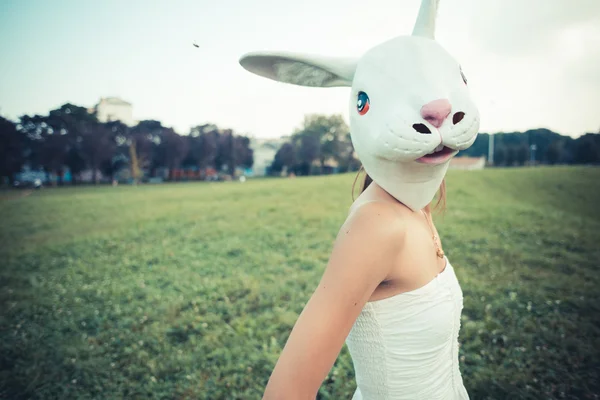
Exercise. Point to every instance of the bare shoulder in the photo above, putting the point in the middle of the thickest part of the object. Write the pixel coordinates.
(372, 236)
(376, 219)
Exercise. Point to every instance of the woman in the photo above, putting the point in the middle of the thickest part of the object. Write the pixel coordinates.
(388, 290)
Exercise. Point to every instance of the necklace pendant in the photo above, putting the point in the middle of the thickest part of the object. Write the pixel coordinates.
(440, 253)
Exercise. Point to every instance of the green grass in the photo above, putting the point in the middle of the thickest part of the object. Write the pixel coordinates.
(190, 290)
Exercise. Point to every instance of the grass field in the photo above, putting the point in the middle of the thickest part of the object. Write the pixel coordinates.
(189, 291)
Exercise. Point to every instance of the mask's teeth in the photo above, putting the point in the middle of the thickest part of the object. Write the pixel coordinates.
(439, 148)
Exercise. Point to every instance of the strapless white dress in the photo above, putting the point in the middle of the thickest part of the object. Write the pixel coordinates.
(406, 347)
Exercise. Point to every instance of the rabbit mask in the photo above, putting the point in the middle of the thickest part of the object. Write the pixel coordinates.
(410, 109)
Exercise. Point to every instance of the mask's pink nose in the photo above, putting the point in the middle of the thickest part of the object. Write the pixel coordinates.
(436, 112)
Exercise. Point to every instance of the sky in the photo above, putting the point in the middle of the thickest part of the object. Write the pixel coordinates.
(529, 64)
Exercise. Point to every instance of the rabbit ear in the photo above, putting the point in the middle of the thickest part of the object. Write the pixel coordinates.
(301, 69)
(425, 25)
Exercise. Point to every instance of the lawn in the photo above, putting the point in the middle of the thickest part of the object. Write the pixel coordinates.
(185, 291)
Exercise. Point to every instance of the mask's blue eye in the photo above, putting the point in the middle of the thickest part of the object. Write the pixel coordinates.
(362, 103)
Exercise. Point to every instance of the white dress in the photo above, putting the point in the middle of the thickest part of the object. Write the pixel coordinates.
(406, 346)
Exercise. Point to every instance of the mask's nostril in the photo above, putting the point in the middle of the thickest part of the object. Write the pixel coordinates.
(458, 117)
(421, 128)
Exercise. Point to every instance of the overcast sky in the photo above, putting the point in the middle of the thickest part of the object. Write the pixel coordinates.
(530, 64)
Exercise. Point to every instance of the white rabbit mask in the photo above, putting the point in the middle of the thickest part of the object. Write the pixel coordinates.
(410, 109)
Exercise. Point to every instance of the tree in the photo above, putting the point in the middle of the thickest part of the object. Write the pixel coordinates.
(226, 157)
(115, 164)
(554, 152)
(76, 162)
(146, 137)
(49, 145)
(330, 132)
(587, 150)
(120, 136)
(500, 153)
(203, 145)
(12, 148)
(71, 121)
(244, 154)
(119, 132)
(285, 157)
(511, 155)
(233, 151)
(98, 146)
(309, 150)
(87, 138)
(173, 149)
(346, 156)
(522, 153)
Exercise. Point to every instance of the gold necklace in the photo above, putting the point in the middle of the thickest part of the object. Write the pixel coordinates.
(439, 251)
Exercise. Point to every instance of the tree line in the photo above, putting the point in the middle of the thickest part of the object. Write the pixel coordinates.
(70, 137)
(540, 146)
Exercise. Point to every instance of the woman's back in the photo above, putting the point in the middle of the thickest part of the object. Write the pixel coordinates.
(406, 346)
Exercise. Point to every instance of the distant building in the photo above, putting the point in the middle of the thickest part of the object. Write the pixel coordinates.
(264, 151)
(114, 109)
(467, 163)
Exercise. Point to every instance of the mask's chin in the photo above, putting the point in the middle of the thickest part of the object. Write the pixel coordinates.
(414, 184)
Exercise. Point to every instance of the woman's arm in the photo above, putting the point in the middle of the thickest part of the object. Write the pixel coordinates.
(362, 257)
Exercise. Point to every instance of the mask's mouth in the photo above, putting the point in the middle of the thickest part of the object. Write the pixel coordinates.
(439, 155)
